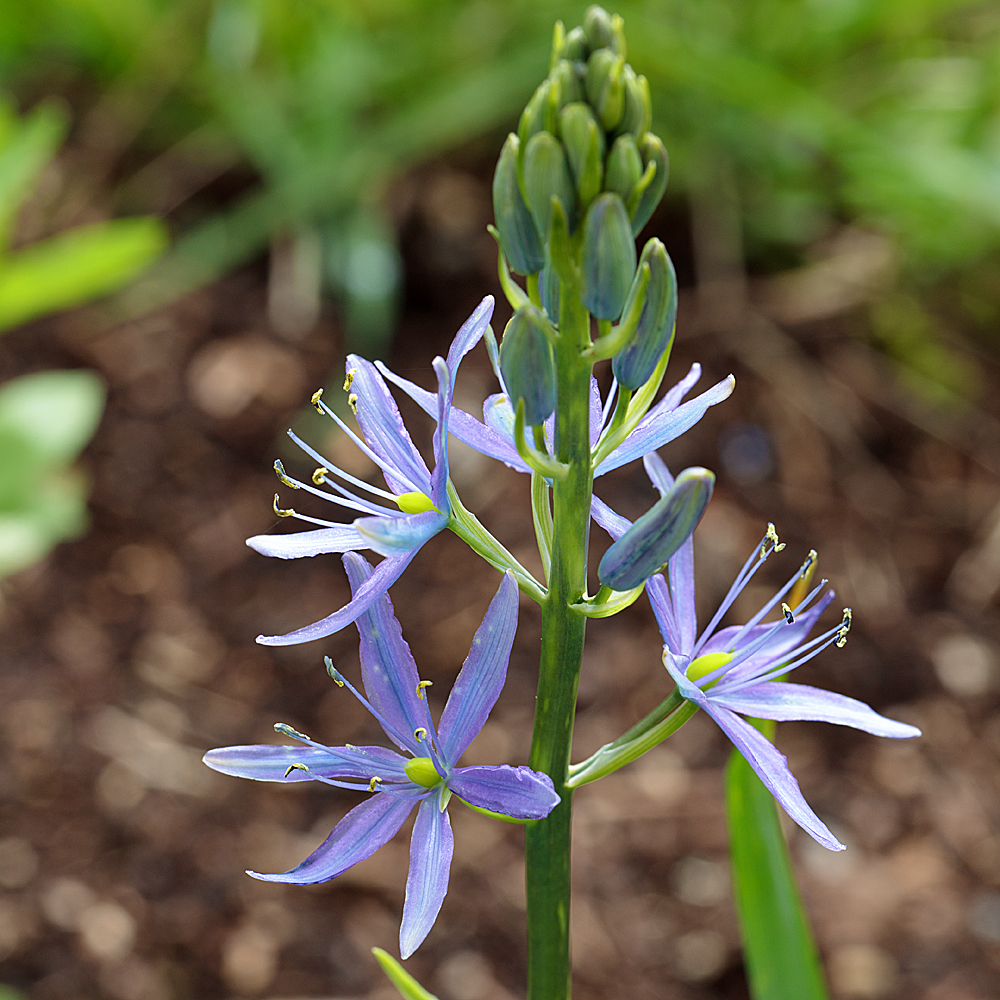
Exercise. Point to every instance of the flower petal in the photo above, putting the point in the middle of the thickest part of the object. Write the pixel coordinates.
(383, 577)
(309, 543)
(384, 429)
(388, 669)
(662, 424)
(596, 411)
(787, 702)
(470, 333)
(396, 536)
(772, 768)
(356, 837)
(439, 477)
(483, 674)
(270, 762)
(614, 524)
(431, 848)
(514, 791)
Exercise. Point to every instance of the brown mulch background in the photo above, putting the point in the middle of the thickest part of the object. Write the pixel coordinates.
(130, 652)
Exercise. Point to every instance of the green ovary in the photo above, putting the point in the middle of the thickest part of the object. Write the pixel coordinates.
(414, 503)
(421, 771)
(706, 664)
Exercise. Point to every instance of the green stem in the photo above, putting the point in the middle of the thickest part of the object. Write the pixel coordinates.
(547, 842)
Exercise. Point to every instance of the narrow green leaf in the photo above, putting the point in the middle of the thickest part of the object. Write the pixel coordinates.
(76, 266)
(779, 949)
(408, 987)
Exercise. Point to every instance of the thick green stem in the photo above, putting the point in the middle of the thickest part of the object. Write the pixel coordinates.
(563, 628)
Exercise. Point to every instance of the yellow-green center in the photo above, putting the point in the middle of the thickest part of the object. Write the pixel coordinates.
(704, 665)
(421, 771)
(414, 503)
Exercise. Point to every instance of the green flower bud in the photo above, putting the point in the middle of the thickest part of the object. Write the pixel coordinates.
(583, 140)
(539, 113)
(597, 26)
(638, 113)
(605, 85)
(528, 365)
(659, 533)
(546, 173)
(568, 81)
(652, 150)
(624, 167)
(548, 289)
(575, 48)
(636, 361)
(518, 235)
(608, 256)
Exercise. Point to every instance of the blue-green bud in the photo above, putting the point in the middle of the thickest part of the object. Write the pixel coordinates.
(518, 235)
(575, 48)
(583, 140)
(548, 290)
(528, 365)
(568, 81)
(608, 256)
(636, 361)
(546, 173)
(539, 113)
(605, 85)
(638, 113)
(597, 27)
(624, 167)
(659, 533)
(653, 151)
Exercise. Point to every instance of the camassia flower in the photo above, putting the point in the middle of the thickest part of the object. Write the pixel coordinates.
(426, 777)
(734, 671)
(419, 498)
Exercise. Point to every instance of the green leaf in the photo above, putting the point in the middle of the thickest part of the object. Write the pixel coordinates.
(76, 266)
(779, 949)
(408, 987)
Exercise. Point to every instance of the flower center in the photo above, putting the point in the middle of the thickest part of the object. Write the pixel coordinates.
(704, 665)
(421, 771)
(414, 503)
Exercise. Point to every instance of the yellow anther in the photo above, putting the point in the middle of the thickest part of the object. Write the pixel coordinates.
(282, 513)
(414, 503)
(279, 471)
(844, 628)
(787, 612)
(800, 591)
(349, 378)
(333, 672)
(352, 402)
(772, 537)
(421, 686)
(295, 767)
(319, 475)
(419, 733)
(286, 730)
(375, 780)
(315, 400)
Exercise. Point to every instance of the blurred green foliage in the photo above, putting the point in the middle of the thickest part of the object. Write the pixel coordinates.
(881, 113)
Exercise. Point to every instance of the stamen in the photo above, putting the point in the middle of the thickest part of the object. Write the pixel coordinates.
(315, 400)
(390, 729)
(772, 537)
(279, 471)
(421, 686)
(295, 767)
(286, 730)
(352, 402)
(349, 378)
(375, 780)
(334, 673)
(844, 628)
(808, 564)
(282, 513)
(318, 477)
(419, 733)
(787, 612)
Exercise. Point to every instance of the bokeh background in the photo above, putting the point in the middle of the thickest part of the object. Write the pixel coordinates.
(310, 178)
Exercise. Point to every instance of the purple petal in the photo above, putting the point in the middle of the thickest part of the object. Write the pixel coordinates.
(396, 536)
(663, 610)
(388, 669)
(659, 475)
(356, 837)
(789, 702)
(439, 478)
(384, 576)
(309, 543)
(596, 411)
(662, 424)
(772, 769)
(677, 392)
(269, 762)
(431, 848)
(518, 792)
(680, 571)
(470, 333)
(384, 430)
(483, 674)
(614, 524)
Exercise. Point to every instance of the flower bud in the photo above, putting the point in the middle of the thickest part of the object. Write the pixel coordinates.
(605, 85)
(548, 289)
(583, 140)
(528, 365)
(624, 167)
(539, 112)
(518, 235)
(568, 83)
(659, 533)
(546, 173)
(597, 27)
(636, 361)
(652, 150)
(608, 256)
(575, 48)
(638, 113)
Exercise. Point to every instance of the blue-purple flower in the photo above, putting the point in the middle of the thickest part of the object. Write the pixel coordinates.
(425, 775)
(734, 671)
(419, 497)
